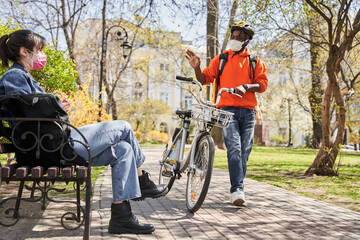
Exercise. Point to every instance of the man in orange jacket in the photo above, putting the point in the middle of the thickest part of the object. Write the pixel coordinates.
(236, 74)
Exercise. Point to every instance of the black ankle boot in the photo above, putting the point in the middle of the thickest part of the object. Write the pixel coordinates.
(148, 188)
(123, 221)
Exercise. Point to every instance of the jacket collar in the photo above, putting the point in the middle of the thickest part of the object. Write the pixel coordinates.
(18, 66)
(243, 54)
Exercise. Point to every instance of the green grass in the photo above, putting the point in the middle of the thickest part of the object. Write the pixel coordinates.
(285, 168)
(149, 144)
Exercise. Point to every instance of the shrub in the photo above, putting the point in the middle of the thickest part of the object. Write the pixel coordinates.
(278, 139)
(85, 110)
(159, 137)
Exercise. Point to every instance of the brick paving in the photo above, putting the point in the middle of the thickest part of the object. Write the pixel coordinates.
(271, 213)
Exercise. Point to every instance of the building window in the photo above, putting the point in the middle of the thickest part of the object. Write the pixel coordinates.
(282, 132)
(138, 90)
(163, 127)
(164, 67)
(188, 101)
(282, 78)
(121, 65)
(139, 43)
(302, 78)
(164, 97)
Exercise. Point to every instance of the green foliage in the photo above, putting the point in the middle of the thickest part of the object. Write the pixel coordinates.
(59, 72)
(143, 114)
(279, 139)
(6, 28)
(308, 141)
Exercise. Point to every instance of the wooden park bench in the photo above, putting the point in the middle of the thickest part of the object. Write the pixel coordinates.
(40, 180)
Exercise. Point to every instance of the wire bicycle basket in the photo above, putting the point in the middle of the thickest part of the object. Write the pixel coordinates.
(207, 114)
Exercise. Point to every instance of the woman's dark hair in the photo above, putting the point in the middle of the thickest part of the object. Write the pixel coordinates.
(10, 45)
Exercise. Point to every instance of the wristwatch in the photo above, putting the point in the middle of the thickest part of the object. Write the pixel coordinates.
(245, 86)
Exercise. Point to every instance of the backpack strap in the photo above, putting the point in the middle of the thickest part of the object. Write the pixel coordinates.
(223, 60)
(253, 61)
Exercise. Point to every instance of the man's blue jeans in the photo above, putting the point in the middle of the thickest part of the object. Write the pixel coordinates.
(238, 139)
(114, 143)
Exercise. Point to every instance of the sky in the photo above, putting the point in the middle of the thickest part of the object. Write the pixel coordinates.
(190, 23)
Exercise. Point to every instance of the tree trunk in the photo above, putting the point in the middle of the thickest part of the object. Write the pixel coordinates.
(340, 37)
(102, 78)
(231, 21)
(324, 162)
(212, 43)
(319, 164)
(111, 107)
(213, 50)
(111, 104)
(217, 133)
(316, 92)
(69, 35)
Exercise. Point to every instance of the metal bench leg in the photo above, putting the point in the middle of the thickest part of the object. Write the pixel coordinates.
(87, 228)
(33, 190)
(44, 194)
(78, 201)
(18, 199)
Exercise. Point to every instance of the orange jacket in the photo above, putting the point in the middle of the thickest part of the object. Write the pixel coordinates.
(236, 72)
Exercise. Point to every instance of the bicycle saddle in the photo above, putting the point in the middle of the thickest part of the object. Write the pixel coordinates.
(183, 113)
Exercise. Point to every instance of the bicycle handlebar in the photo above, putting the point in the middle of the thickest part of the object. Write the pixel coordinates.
(184, 79)
(228, 90)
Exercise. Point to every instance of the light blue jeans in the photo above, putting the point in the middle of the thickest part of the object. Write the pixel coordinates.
(114, 143)
(238, 139)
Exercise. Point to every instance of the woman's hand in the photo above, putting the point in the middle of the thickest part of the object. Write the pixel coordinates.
(66, 104)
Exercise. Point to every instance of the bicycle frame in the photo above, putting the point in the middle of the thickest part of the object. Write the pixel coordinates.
(202, 126)
(189, 162)
(198, 163)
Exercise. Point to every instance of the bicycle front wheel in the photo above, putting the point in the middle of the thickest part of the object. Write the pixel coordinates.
(199, 176)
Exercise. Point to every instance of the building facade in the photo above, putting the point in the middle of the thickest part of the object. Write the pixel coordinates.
(148, 73)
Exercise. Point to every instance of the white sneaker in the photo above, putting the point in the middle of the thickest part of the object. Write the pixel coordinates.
(237, 198)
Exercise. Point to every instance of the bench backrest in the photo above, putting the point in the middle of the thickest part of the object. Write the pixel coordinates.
(37, 127)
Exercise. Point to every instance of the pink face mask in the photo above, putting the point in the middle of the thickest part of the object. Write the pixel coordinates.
(40, 62)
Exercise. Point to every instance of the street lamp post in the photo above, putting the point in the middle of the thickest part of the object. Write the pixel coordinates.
(121, 35)
(283, 106)
(289, 112)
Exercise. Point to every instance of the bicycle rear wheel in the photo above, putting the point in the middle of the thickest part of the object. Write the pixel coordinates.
(168, 165)
(199, 177)
(166, 179)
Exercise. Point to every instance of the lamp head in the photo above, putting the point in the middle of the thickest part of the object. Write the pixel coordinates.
(126, 49)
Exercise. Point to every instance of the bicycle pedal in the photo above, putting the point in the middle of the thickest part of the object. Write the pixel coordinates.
(172, 163)
(167, 173)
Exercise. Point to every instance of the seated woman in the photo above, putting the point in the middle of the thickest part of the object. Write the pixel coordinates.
(111, 143)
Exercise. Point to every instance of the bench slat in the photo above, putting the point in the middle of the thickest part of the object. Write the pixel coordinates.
(81, 172)
(8, 171)
(37, 172)
(67, 172)
(22, 172)
(53, 172)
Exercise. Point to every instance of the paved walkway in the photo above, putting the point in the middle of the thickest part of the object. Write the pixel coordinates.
(271, 213)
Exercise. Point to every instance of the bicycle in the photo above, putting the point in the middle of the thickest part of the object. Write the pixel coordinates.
(199, 162)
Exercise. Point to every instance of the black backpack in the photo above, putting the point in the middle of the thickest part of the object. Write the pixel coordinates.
(223, 60)
(54, 147)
